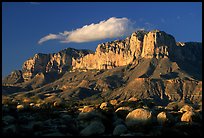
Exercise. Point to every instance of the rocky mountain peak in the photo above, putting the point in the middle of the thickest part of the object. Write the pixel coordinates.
(140, 44)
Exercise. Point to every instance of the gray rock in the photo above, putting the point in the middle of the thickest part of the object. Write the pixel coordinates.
(8, 119)
(95, 128)
(119, 129)
(89, 115)
(54, 134)
(9, 130)
(118, 121)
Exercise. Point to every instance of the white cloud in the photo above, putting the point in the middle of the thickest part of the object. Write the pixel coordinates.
(111, 28)
(49, 37)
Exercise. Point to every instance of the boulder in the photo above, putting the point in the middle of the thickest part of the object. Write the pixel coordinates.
(95, 128)
(20, 107)
(10, 130)
(164, 118)
(188, 116)
(113, 102)
(139, 117)
(8, 119)
(119, 129)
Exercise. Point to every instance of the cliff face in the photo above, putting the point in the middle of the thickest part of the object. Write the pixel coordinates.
(119, 53)
(158, 44)
(51, 63)
(112, 54)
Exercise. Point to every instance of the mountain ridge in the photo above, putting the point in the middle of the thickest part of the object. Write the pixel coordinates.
(143, 57)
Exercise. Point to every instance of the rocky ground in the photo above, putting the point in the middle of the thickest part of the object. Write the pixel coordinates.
(133, 117)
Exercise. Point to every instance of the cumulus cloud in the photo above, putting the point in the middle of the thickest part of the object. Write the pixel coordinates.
(111, 28)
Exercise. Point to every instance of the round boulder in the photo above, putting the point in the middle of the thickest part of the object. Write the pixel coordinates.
(164, 118)
(188, 116)
(139, 116)
(20, 107)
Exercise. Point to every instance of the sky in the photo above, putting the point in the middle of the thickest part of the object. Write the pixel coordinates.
(48, 27)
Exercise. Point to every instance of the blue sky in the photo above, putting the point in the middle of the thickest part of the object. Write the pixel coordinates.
(25, 23)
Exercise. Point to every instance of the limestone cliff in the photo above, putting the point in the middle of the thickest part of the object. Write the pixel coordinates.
(139, 45)
(158, 44)
(113, 54)
(48, 63)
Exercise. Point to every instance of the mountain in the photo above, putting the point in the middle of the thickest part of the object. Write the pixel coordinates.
(44, 68)
(152, 59)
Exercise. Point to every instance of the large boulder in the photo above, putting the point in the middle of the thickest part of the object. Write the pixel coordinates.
(164, 118)
(139, 117)
(188, 116)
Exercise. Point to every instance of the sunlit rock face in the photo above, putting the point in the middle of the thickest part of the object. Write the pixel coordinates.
(57, 62)
(113, 54)
(140, 44)
(158, 44)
